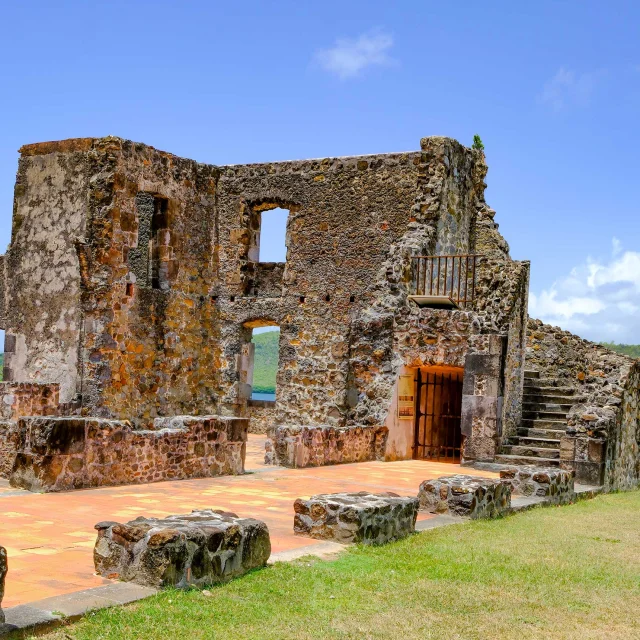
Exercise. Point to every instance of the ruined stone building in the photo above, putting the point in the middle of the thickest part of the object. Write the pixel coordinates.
(133, 282)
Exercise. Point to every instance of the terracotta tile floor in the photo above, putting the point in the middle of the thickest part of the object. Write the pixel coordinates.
(49, 537)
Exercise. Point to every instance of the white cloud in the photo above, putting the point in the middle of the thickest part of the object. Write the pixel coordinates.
(349, 56)
(599, 300)
(568, 88)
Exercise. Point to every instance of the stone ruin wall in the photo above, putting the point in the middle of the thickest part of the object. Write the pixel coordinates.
(64, 453)
(132, 350)
(598, 428)
(623, 469)
(41, 305)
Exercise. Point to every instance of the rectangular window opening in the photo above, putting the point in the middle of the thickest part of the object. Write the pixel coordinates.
(272, 236)
(266, 342)
(159, 235)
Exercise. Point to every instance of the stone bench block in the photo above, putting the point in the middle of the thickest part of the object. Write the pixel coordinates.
(467, 496)
(200, 548)
(367, 518)
(3, 575)
(555, 484)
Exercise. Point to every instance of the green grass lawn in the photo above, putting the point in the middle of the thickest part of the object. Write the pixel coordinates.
(564, 572)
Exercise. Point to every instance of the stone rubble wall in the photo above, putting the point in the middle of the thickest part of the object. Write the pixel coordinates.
(600, 376)
(467, 496)
(8, 446)
(262, 416)
(19, 399)
(140, 346)
(555, 484)
(3, 575)
(201, 548)
(64, 453)
(365, 518)
(624, 446)
(299, 447)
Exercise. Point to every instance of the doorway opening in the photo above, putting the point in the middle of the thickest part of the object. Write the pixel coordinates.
(438, 411)
(260, 356)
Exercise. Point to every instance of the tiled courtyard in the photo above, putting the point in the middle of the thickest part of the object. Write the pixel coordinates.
(49, 537)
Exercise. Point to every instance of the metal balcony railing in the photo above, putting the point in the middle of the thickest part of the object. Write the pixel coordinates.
(444, 278)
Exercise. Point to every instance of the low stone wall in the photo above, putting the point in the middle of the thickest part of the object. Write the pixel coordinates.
(316, 446)
(3, 575)
(623, 464)
(28, 399)
(367, 518)
(8, 446)
(201, 548)
(262, 415)
(467, 496)
(59, 454)
(555, 484)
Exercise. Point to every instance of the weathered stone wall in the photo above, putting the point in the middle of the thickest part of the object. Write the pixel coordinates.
(160, 258)
(317, 446)
(600, 377)
(262, 416)
(43, 317)
(59, 454)
(8, 446)
(624, 443)
(18, 399)
(3, 575)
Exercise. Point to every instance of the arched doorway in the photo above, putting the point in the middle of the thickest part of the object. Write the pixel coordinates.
(438, 410)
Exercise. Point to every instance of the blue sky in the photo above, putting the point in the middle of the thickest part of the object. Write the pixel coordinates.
(553, 88)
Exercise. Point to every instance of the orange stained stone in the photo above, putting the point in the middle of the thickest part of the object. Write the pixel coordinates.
(49, 537)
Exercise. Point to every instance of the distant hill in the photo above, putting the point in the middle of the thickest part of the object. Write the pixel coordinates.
(632, 350)
(265, 364)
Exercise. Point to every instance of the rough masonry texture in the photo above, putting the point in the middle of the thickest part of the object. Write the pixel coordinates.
(200, 548)
(467, 496)
(555, 484)
(3, 575)
(600, 441)
(63, 453)
(317, 446)
(366, 518)
(133, 282)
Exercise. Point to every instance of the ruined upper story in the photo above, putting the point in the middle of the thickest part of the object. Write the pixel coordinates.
(133, 274)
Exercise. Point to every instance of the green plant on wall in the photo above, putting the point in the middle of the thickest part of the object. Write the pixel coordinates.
(477, 143)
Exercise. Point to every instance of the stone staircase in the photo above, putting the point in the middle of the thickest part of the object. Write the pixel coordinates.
(545, 406)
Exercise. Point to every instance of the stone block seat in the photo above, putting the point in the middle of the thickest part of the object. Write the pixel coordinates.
(200, 548)
(466, 496)
(367, 518)
(557, 485)
(3, 574)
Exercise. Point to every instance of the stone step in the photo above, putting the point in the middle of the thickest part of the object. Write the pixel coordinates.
(545, 415)
(524, 460)
(553, 434)
(531, 374)
(531, 441)
(544, 382)
(553, 390)
(534, 423)
(530, 452)
(546, 406)
(550, 398)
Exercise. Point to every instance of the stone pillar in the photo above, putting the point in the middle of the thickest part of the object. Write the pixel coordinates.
(482, 399)
(584, 455)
